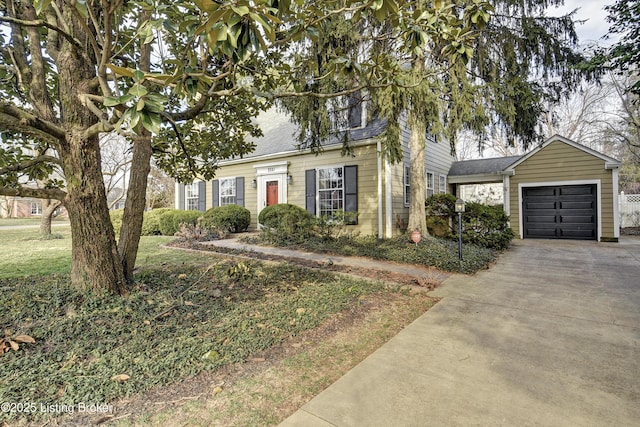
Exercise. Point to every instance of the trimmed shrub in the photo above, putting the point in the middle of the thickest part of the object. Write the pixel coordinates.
(151, 222)
(170, 220)
(286, 222)
(486, 226)
(229, 218)
(483, 225)
(440, 208)
(116, 219)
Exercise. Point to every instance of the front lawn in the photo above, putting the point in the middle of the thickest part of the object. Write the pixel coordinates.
(186, 314)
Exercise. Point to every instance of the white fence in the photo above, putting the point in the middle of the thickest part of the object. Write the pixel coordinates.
(629, 210)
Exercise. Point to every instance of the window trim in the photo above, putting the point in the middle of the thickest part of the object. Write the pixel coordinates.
(407, 185)
(38, 208)
(318, 190)
(432, 175)
(191, 195)
(442, 184)
(234, 196)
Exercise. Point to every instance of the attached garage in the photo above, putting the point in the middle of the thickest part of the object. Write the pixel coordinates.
(560, 190)
(563, 190)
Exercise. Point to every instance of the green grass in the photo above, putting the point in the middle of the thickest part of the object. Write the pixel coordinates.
(186, 313)
(27, 221)
(30, 255)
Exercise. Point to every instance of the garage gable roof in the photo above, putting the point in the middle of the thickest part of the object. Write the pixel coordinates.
(610, 162)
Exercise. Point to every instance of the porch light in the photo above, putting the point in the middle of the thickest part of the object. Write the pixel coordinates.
(254, 183)
(459, 208)
(289, 179)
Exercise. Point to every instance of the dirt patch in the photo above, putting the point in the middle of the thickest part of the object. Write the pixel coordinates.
(630, 231)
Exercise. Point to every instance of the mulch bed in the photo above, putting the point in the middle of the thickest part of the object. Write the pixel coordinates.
(429, 283)
(630, 231)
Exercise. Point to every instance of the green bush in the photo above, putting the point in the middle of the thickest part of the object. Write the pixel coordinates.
(285, 222)
(487, 226)
(170, 220)
(483, 225)
(229, 218)
(116, 219)
(151, 222)
(440, 208)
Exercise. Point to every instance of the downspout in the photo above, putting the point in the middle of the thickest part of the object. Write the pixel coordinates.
(380, 222)
(388, 231)
(506, 193)
(616, 204)
(177, 196)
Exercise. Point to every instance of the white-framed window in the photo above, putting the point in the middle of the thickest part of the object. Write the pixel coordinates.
(192, 196)
(227, 191)
(407, 186)
(429, 184)
(330, 191)
(36, 208)
(442, 184)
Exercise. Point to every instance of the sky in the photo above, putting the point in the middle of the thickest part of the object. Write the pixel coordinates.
(592, 11)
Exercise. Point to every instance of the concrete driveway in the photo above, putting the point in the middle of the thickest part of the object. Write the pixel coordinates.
(549, 336)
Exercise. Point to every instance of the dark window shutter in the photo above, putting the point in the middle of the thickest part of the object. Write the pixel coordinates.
(355, 110)
(310, 190)
(240, 191)
(351, 191)
(181, 197)
(216, 193)
(202, 196)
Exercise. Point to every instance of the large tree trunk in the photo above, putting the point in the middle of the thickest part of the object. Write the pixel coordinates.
(134, 205)
(139, 175)
(48, 208)
(417, 176)
(95, 261)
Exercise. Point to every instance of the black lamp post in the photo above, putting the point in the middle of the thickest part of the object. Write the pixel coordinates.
(460, 209)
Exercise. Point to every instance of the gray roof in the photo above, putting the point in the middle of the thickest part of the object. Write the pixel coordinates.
(482, 166)
(280, 134)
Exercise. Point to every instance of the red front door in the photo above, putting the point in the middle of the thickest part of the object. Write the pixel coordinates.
(272, 193)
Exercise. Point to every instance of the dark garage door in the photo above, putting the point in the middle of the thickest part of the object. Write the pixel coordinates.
(560, 212)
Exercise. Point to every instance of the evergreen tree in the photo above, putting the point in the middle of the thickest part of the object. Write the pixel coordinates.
(499, 83)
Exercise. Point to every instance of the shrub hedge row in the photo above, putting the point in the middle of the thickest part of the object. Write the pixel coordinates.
(167, 222)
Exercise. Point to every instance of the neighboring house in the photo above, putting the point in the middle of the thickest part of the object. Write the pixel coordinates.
(22, 207)
(560, 190)
(278, 172)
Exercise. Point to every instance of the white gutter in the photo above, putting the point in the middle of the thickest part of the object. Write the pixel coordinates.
(380, 223)
(616, 203)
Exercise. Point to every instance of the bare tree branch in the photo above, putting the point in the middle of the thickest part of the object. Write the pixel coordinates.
(30, 163)
(39, 23)
(21, 121)
(38, 193)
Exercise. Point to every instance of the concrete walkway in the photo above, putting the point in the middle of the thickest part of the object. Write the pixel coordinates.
(549, 336)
